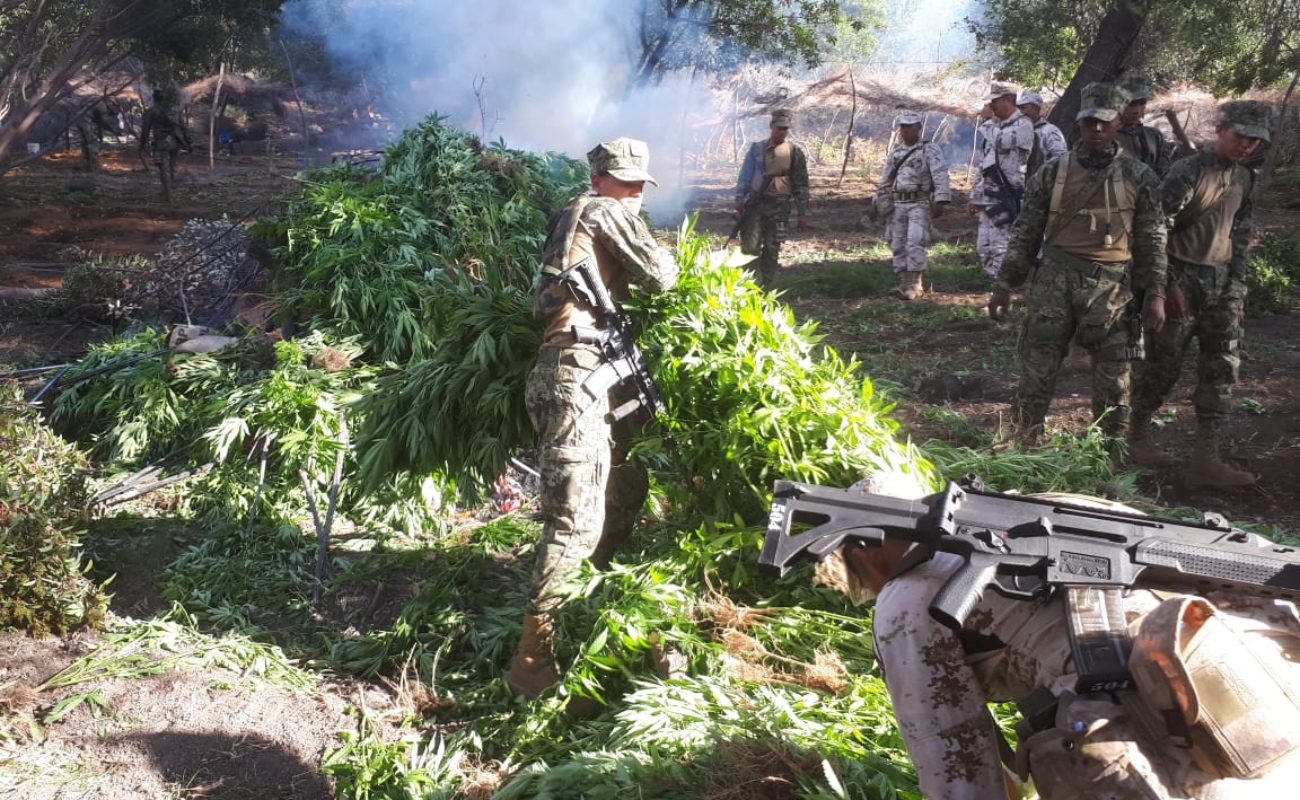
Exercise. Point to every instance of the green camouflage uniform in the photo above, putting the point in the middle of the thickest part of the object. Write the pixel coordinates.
(1144, 142)
(1208, 201)
(1071, 296)
(590, 494)
(771, 195)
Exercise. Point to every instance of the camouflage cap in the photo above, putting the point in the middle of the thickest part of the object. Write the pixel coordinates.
(1249, 117)
(908, 118)
(781, 118)
(1029, 98)
(1000, 89)
(1103, 101)
(1138, 87)
(623, 158)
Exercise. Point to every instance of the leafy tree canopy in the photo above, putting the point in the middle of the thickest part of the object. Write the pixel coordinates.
(715, 34)
(1228, 45)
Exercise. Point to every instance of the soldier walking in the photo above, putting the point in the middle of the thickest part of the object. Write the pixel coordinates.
(1008, 139)
(591, 494)
(773, 179)
(163, 135)
(1143, 142)
(913, 186)
(1097, 219)
(1207, 196)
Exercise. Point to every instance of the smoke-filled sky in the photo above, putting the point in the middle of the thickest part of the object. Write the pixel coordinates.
(547, 74)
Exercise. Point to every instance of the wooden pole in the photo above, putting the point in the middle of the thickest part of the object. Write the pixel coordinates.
(212, 119)
(848, 137)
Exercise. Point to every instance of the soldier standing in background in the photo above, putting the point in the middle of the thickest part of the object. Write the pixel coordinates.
(1208, 198)
(591, 494)
(914, 181)
(773, 178)
(1097, 219)
(1143, 142)
(1049, 142)
(1008, 139)
(163, 135)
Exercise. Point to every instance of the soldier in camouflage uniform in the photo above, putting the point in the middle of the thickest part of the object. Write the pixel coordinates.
(1143, 142)
(163, 135)
(915, 176)
(773, 178)
(1008, 139)
(591, 494)
(1208, 198)
(1097, 219)
(1099, 746)
(1049, 142)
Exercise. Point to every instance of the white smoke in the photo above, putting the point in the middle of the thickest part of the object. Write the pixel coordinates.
(547, 75)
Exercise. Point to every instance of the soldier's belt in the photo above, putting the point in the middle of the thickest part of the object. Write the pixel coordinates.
(1096, 269)
(910, 197)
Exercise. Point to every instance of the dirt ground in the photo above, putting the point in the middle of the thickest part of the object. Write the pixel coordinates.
(194, 733)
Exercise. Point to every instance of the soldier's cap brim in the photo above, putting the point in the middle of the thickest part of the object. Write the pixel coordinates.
(1253, 131)
(632, 175)
(991, 96)
(1103, 114)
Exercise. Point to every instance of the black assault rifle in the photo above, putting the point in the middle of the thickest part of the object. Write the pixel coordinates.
(616, 338)
(1007, 198)
(1025, 548)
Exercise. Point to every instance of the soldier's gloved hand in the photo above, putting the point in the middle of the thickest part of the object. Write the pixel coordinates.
(1153, 314)
(800, 222)
(999, 303)
(936, 209)
(872, 213)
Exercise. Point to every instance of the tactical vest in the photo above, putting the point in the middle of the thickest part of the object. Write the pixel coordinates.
(1095, 229)
(776, 169)
(1202, 231)
(567, 244)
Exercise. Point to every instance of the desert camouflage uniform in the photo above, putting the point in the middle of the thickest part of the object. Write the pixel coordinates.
(776, 189)
(1006, 143)
(590, 494)
(1209, 202)
(920, 181)
(1148, 145)
(939, 686)
(1083, 291)
(1049, 143)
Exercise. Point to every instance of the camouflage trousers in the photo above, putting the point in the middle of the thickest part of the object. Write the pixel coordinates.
(591, 494)
(939, 691)
(991, 245)
(762, 232)
(909, 235)
(1070, 298)
(1215, 322)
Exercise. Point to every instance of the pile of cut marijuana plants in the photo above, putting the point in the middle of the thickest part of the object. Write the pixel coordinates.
(404, 398)
(42, 486)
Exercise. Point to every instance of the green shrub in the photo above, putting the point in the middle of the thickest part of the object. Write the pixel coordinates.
(1273, 268)
(42, 585)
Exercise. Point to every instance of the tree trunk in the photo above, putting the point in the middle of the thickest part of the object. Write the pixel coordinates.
(1104, 60)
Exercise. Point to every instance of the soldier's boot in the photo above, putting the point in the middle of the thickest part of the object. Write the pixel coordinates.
(910, 285)
(1141, 450)
(1207, 470)
(533, 669)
